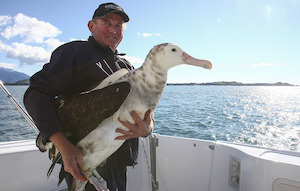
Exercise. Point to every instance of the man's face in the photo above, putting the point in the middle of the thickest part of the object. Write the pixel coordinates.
(108, 31)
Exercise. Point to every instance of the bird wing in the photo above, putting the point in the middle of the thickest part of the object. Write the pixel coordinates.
(112, 78)
(81, 114)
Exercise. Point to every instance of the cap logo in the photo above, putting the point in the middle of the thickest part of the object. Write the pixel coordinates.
(111, 7)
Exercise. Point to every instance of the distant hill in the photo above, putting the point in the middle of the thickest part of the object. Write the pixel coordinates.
(231, 84)
(21, 82)
(11, 76)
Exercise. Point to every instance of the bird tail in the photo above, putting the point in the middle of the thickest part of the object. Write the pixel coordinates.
(62, 175)
(54, 161)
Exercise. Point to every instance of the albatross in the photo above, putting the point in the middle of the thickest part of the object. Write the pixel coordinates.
(90, 120)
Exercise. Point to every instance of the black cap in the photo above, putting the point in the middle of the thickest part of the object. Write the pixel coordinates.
(108, 8)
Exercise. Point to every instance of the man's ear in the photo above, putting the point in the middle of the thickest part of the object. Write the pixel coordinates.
(91, 26)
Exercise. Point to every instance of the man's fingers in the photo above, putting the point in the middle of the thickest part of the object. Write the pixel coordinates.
(147, 115)
(139, 121)
(140, 127)
(129, 125)
(72, 160)
(73, 169)
(77, 175)
(123, 137)
(71, 155)
(123, 131)
(126, 134)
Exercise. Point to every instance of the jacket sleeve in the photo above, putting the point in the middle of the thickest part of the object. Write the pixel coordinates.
(55, 77)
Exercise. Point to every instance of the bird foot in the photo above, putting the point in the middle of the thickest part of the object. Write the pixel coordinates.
(96, 180)
(99, 185)
(94, 177)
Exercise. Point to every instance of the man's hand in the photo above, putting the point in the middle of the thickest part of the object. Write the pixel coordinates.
(71, 155)
(141, 128)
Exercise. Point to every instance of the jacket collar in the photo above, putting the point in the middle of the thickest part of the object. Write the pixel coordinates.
(96, 44)
(99, 46)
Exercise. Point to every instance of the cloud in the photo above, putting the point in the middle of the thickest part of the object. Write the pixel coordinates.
(6, 65)
(263, 64)
(149, 34)
(29, 40)
(5, 20)
(136, 61)
(52, 44)
(76, 39)
(28, 28)
(25, 53)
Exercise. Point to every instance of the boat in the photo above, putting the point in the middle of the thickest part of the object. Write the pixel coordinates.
(168, 163)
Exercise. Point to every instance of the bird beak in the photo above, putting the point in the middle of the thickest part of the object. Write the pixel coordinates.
(196, 62)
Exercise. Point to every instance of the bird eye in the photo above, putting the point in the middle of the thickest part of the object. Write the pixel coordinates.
(173, 49)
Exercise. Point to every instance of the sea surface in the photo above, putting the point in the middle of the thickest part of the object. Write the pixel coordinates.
(256, 115)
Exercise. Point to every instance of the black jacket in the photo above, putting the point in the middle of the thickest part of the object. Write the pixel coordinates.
(73, 68)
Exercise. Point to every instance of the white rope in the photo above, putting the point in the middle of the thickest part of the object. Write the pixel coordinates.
(148, 165)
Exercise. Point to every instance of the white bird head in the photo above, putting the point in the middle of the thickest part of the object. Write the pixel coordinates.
(167, 55)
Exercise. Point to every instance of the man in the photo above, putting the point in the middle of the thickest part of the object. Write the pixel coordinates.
(77, 67)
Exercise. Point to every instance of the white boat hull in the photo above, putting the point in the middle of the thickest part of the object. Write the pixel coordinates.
(192, 164)
(24, 167)
(177, 164)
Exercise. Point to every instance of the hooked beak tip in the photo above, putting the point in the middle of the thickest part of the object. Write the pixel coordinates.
(197, 62)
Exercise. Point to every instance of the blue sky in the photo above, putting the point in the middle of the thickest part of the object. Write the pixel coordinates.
(246, 40)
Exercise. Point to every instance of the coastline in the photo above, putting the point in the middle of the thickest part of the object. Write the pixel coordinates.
(222, 83)
(230, 84)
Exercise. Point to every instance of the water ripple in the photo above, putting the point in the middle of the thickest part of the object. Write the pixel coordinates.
(266, 116)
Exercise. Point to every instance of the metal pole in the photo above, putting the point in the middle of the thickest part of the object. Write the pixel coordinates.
(19, 107)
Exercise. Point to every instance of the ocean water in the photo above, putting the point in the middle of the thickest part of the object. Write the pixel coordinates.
(257, 115)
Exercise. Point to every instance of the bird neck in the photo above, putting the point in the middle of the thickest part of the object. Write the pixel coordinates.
(155, 75)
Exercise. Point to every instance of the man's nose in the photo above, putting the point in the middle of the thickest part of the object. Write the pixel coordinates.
(113, 29)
